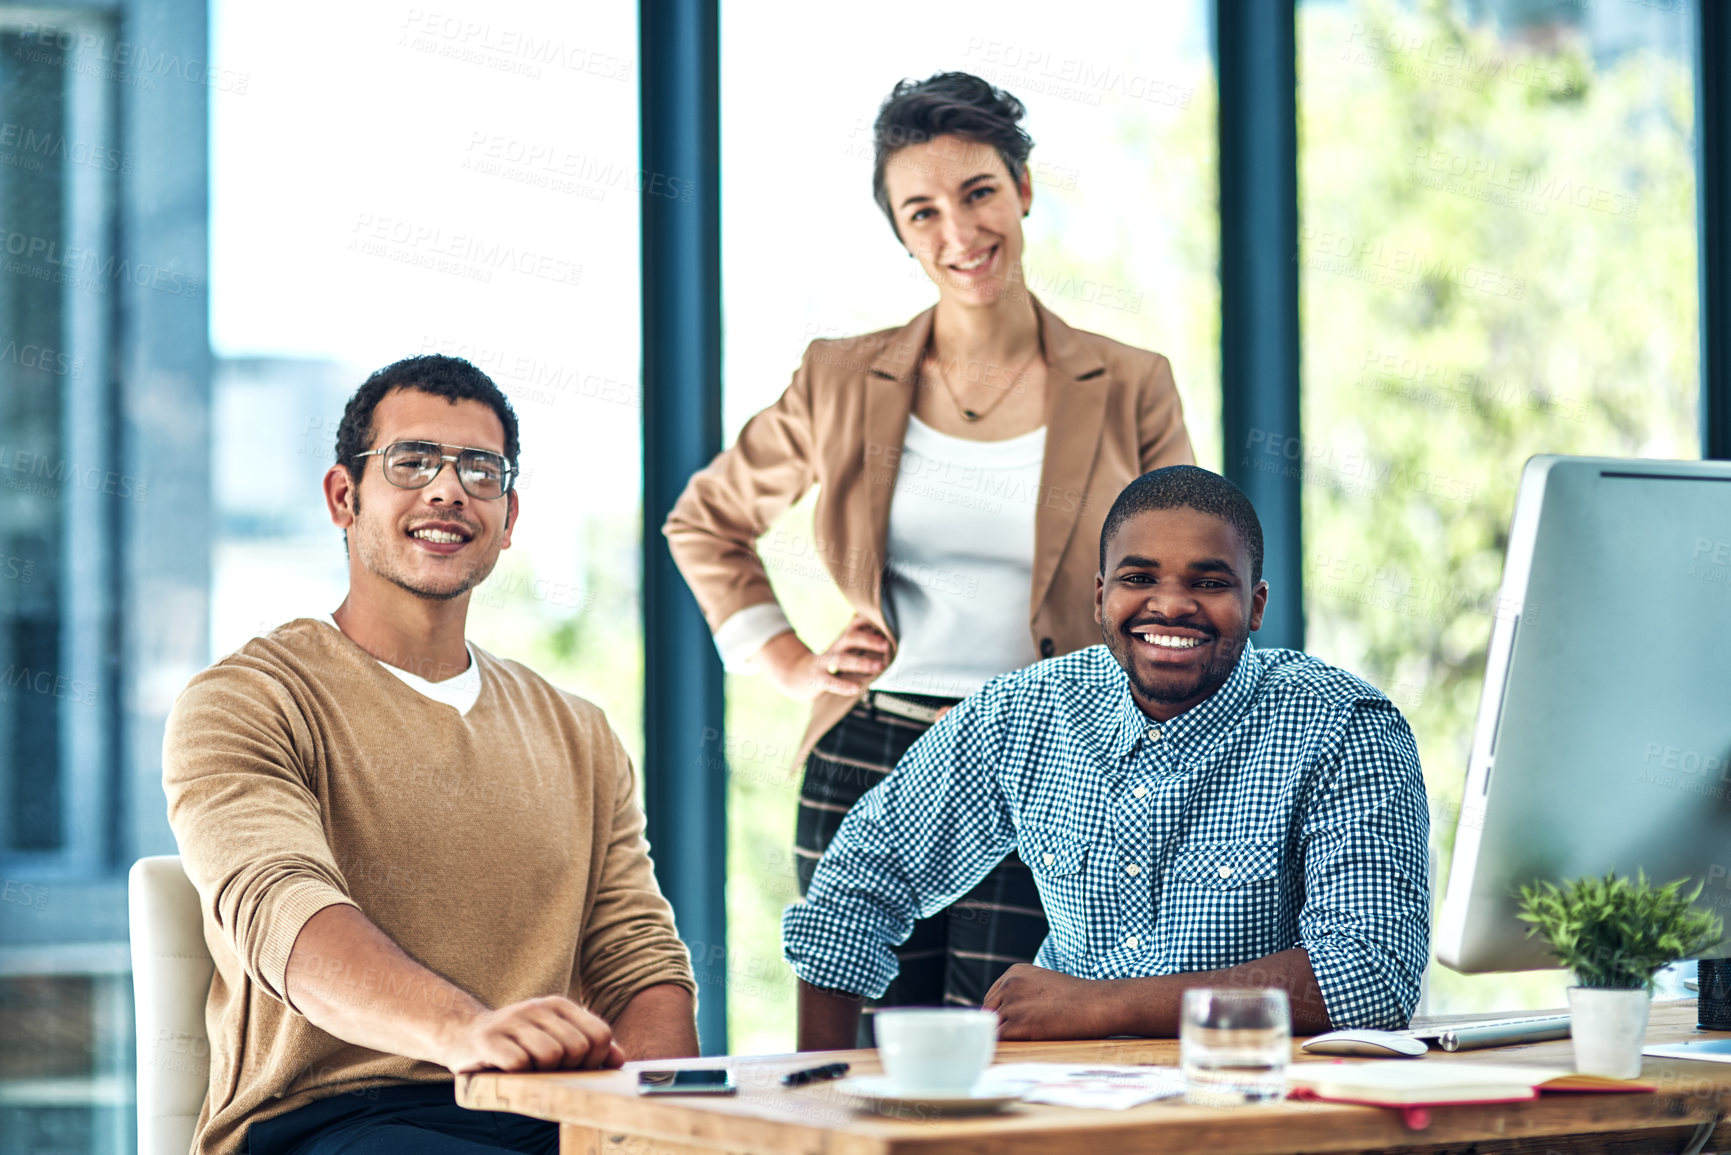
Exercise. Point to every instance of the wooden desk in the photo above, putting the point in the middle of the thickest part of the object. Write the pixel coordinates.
(601, 1114)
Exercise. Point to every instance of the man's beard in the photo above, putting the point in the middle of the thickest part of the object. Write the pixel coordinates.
(435, 595)
(1210, 677)
(380, 562)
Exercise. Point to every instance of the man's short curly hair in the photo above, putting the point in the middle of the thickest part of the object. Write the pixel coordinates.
(1188, 487)
(947, 104)
(449, 377)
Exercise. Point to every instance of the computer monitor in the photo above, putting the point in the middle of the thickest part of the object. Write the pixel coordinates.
(1603, 739)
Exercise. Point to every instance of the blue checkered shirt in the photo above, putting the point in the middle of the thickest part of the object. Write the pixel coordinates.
(1286, 810)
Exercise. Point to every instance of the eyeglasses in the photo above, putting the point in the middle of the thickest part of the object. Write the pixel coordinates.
(413, 465)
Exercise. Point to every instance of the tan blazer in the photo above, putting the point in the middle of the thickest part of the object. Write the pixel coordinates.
(1112, 414)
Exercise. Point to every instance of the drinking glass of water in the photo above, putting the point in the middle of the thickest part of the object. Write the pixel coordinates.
(1233, 1044)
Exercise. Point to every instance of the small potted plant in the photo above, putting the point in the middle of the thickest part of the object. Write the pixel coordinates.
(1615, 935)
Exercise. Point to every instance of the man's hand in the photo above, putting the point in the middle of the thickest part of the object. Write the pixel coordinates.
(545, 1034)
(1035, 1003)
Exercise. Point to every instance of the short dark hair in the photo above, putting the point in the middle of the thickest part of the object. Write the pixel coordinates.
(947, 104)
(1188, 487)
(449, 377)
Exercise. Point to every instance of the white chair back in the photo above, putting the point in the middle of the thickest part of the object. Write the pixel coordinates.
(171, 969)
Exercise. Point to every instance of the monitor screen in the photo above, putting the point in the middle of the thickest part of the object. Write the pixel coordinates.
(1603, 740)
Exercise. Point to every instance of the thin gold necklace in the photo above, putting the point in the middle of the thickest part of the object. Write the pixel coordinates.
(969, 415)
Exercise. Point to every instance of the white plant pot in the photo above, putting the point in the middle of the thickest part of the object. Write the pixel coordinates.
(1608, 1028)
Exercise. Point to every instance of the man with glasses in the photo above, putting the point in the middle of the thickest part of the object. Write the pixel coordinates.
(415, 859)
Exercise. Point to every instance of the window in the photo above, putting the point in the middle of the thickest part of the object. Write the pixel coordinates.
(1122, 240)
(1497, 250)
(481, 201)
(65, 1000)
(60, 495)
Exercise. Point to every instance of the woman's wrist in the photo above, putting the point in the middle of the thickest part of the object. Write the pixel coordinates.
(780, 653)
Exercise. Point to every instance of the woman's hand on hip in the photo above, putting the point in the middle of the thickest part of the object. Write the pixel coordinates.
(848, 666)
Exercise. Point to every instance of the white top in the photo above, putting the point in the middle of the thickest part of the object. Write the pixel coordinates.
(961, 560)
(460, 693)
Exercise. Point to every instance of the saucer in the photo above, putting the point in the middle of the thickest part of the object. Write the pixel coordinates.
(878, 1093)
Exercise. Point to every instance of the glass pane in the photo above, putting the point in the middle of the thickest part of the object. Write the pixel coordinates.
(65, 1013)
(66, 1057)
(1497, 255)
(1122, 240)
(33, 464)
(480, 200)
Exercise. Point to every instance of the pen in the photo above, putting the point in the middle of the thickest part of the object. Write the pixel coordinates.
(813, 1074)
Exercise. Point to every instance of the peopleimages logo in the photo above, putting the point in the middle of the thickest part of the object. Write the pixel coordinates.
(548, 165)
(1398, 266)
(1530, 189)
(46, 259)
(503, 48)
(21, 893)
(1038, 69)
(48, 684)
(40, 474)
(41, 358)
(462, 254)
(124, 61)
(29, 148)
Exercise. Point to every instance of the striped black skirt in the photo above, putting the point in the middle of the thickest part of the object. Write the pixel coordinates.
(954, 957)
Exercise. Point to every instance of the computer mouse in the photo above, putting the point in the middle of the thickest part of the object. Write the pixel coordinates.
(1366, 1044)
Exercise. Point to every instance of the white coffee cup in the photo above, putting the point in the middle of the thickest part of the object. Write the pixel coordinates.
(935, 1050)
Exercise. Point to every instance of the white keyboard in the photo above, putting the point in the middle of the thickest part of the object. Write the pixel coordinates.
(1469, 1036)
(1433, 1032)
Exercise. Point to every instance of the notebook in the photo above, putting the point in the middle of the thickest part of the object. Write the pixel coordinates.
(1432, 1084)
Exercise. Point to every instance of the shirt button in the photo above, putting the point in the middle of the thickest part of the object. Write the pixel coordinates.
(1132, 870)
(1048, 859)
(1132, 942)
(1154, 733)
(1140, 791)
(1225, 871)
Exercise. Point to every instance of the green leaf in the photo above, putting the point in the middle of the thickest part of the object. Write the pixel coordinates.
(1614, 932)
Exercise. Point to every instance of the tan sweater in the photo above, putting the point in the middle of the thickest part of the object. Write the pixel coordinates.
(503, 849)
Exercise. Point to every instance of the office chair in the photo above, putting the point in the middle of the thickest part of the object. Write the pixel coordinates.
(171, 969)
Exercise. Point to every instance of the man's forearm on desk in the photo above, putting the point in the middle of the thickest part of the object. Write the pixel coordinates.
(658, 1023)
(1154, 1003)
(1036, 1003)
(828, 1020)
(405, 1009)
(351, 980)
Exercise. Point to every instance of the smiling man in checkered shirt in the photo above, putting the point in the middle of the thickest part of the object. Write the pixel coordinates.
(1196, 811)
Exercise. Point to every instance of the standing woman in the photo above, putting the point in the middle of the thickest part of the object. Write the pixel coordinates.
(965, 463)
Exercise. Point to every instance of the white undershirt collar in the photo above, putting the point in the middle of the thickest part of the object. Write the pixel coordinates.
(460, 693)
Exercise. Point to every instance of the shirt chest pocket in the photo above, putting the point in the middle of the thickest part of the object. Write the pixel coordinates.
(1222, 905)
(1052, 856)
(1059, 863)
(1228, 868)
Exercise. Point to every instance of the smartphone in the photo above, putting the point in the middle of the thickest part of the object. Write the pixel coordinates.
(690, 1081)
